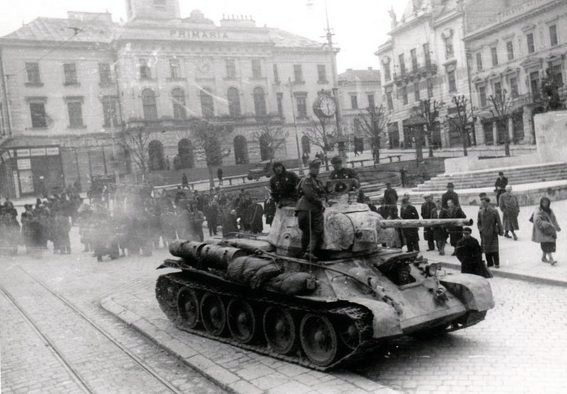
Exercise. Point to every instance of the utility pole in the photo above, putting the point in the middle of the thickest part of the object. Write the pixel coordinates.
(295, 125)
(329, 36)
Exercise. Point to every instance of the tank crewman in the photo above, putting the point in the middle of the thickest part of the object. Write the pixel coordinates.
(310, 211)
(283, 185)
(339, 172)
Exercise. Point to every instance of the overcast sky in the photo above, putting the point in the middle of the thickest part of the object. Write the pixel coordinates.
(360, 25)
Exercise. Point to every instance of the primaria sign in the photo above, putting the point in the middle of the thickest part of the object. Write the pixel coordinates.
(199, 34)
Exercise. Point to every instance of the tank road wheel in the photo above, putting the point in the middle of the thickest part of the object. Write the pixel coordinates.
(318, 339)
(213, 314)
(241, 321)
(279, 330)
(188, 307)
(349, 335)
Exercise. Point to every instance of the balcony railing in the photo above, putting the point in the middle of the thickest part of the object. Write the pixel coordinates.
(171, 123)
(424, 71)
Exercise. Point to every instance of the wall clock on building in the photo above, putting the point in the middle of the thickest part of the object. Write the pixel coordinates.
(325, 106)
(204, 66)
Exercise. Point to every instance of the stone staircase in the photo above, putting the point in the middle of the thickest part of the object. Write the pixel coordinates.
(532, 174)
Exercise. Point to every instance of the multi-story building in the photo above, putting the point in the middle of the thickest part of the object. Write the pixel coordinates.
(424, 58)
(511, 49)
(359, 90)
(72, 87)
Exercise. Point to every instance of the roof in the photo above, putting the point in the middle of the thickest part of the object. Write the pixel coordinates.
(282, 38)
(368, 75)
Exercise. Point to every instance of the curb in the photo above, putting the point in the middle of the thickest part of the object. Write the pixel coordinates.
(218, 374)
(512, 275)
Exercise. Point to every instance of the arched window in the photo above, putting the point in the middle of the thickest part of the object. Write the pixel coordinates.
(240, 150)
(178, 98)
(185, 154)
(305, 144)
(155, 153)
(233, 101)
(259, 102)
(207, 103)
(149, 104)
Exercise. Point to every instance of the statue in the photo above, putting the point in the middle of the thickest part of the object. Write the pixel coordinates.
(550, 92)
(394, 19)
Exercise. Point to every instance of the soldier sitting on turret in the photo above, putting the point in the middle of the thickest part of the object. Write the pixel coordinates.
(339, 172)
(283, 185)
(310, 211)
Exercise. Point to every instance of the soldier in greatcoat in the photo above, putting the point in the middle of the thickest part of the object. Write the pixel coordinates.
(490, 227)
(510, 208)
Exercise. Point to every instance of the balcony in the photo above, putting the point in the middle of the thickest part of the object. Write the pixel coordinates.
(168, 123)
(424, 71)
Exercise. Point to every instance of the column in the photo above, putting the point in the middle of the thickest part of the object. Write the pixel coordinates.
(495, 132)
(529, 136)
(511, 129)
(479, 132)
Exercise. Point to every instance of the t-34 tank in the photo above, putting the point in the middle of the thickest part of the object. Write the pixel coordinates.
(253, 292)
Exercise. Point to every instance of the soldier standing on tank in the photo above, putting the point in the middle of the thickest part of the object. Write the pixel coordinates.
(339, 172)
(283, 185)
(310, 210)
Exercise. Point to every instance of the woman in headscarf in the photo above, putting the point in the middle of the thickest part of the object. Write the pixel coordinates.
(545, 230)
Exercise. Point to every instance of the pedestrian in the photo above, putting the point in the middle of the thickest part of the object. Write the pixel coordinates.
(283, 185)
(469, 253)
(411, 234)
(510, 210)
(450, 195)
(439, 232)
(219, 175)
(391, 200)
(455, 232)
(403, 176)
(184, 181)
(254, 217)
(197, 218)
(212, 215)
(545, 230)
(490, 227)
(500, 186)
(305, 158)
(427, 209)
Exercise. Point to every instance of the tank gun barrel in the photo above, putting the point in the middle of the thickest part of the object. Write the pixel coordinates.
(412, 223)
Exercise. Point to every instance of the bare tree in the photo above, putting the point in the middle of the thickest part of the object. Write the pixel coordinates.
(209, 136)
(429, 111)
(373, 123)
(271, 137)
(461, 119)
(322, 133)
(501, 111)
(135, 143)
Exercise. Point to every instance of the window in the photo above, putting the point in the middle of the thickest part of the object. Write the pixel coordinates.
(32, 70)
(75, 109)
(354, 101)
(514, 87)
(276, 73)
(479, 61)
(497, 89)
(553, 35)
(279, 97)
(371, 101)
(482, 95)
(429, 88)
(402, 64)
(389, 101)
(260, 102)
(510, 50)
(230, 68)
(534, 84)
(38, 115)
(494, 54)
(387, 72)
(530, 41)
(178, 98)
(70, 70)
(404, 95)
(297, 73)
(416, 91)
(233, 101)
(110, 111)
(104, 74)
(174, 69)
(321, 73)
(452, 81)
(301, 100)
(449, 50)
(413, 60)
(149, 104)
(427, 55)
(256, 68)
(145, 70)
(556, 74)
(207, 103)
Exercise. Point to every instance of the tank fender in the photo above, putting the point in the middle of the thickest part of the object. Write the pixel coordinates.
(385, 320)
(472, 290)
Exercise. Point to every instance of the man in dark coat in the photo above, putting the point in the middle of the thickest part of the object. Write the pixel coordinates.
(339, 172)
(455, 232)
(427, 209)
(439, 232)
(450, 195)
(253, 217)
(500, 186)
(490, 227)
(283, 185)
(411, 235)
(469, 253)
(310, 211)
(391, 199)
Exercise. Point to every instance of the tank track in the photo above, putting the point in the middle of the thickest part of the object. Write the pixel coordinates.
(169, 285)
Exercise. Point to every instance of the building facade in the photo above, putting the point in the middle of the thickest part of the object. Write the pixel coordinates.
(511, 51)
(72, 88)
(359, 91)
